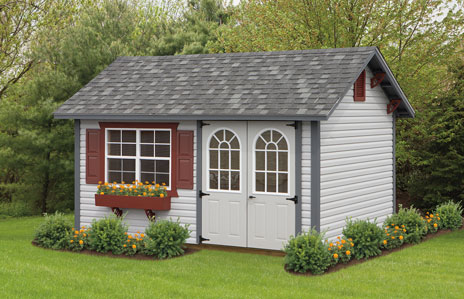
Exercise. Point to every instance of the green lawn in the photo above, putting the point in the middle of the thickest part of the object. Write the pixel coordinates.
(434, 268)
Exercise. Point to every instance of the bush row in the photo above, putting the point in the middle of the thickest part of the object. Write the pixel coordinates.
(162, 239)
(309, 252)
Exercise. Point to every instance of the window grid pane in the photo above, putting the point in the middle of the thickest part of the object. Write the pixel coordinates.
(224, 161)
(271, 163)
(140, 146)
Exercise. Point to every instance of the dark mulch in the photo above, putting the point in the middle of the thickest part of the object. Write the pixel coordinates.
(403, 199)
(354, 261)
(137, 256)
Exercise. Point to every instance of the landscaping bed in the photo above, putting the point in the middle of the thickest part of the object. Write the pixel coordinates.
(354, 262)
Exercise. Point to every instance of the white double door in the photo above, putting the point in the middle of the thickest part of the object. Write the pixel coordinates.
(248, 176)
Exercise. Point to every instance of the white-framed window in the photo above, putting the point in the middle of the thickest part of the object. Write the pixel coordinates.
(224, 161)
(138, 154)
(271, 163)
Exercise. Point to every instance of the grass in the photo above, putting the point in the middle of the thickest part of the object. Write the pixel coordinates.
(431, 269)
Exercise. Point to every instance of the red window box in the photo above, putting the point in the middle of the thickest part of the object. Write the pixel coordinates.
(133, 202)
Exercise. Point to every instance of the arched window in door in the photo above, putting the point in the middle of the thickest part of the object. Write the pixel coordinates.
(271, 162)
(224, 161)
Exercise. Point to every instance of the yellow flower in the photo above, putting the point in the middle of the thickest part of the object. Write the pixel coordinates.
(438, 218)
(114, 187)
(146, 182)
(85, 235)
(343, 241)
(144, 193)
(429, 220)
(338, 243)
(384, 242)
(133, 246)
(352, 245)
(125, 245)
(435, 225)
(402, 226)
(393, 224)
(335, 255)
(165, 188)
(106, 183)
(99, 182)
(393, 238)
(401, 237)
(338, 237)
(130, 237)
(164, 184)
(330, 248)
(112, 191)
(388, 227)
(331, 244)
(76, 232)
(339, 247)
(72, 241)
(81, 242)
(123, 182)
(431, 215)
(404, 230)
(101, 193)
(157, 185)
(348, 252)
(396, 227)
(350, 239)
(161, 195)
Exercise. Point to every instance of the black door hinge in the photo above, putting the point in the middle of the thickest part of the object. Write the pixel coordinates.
(292, 125)
(294, 199)
(203, 239)
(203, 194)
(202, 124)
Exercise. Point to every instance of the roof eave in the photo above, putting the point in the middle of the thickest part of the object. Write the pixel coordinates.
(138, 117)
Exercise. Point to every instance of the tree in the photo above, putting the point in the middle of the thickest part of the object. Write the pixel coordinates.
(20, 22)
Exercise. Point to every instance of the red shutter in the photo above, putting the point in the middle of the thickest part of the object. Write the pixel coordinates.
(185, 159)
(360, 88)
(94, 171)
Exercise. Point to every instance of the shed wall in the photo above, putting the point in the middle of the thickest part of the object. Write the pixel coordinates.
(182, 207)
(357, 161)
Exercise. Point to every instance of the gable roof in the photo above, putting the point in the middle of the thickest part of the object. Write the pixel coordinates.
(287, 85)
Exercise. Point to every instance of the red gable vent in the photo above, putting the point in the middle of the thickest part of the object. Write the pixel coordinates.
(360, 88)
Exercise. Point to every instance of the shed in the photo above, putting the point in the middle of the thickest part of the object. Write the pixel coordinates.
(253, 147)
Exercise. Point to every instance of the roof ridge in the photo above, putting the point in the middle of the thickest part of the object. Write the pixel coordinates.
(261, 53)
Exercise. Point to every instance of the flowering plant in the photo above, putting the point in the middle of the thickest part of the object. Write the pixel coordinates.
(394, 236)
(433, 222)
(135, 189)
(341, 250)
(78, 239)
(133, 244)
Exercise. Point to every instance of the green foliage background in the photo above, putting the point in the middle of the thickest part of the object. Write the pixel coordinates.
(50, 49)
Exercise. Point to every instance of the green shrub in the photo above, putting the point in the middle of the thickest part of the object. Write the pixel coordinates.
(415, 225)
(164, 239)
(367, 237)
(450, 215)
(53, 232)
(341, 251)
(307, 252)
(394, 236)
(78, 239)
(107, 234)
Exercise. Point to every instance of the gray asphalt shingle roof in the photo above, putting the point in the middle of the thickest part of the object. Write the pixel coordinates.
(305, 83)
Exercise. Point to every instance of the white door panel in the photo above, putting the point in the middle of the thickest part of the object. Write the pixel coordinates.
(224, 179)
(271, 163)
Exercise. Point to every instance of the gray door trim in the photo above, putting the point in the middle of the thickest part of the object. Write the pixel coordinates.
(298, 174)
(77, 181)
(198, 180)
(316, 175)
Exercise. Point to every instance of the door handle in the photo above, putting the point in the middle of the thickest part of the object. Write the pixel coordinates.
(294, 199)
(251, 197)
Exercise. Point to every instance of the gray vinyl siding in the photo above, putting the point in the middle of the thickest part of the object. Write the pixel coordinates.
(182, 207)
(306, 176)
(357, 161)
